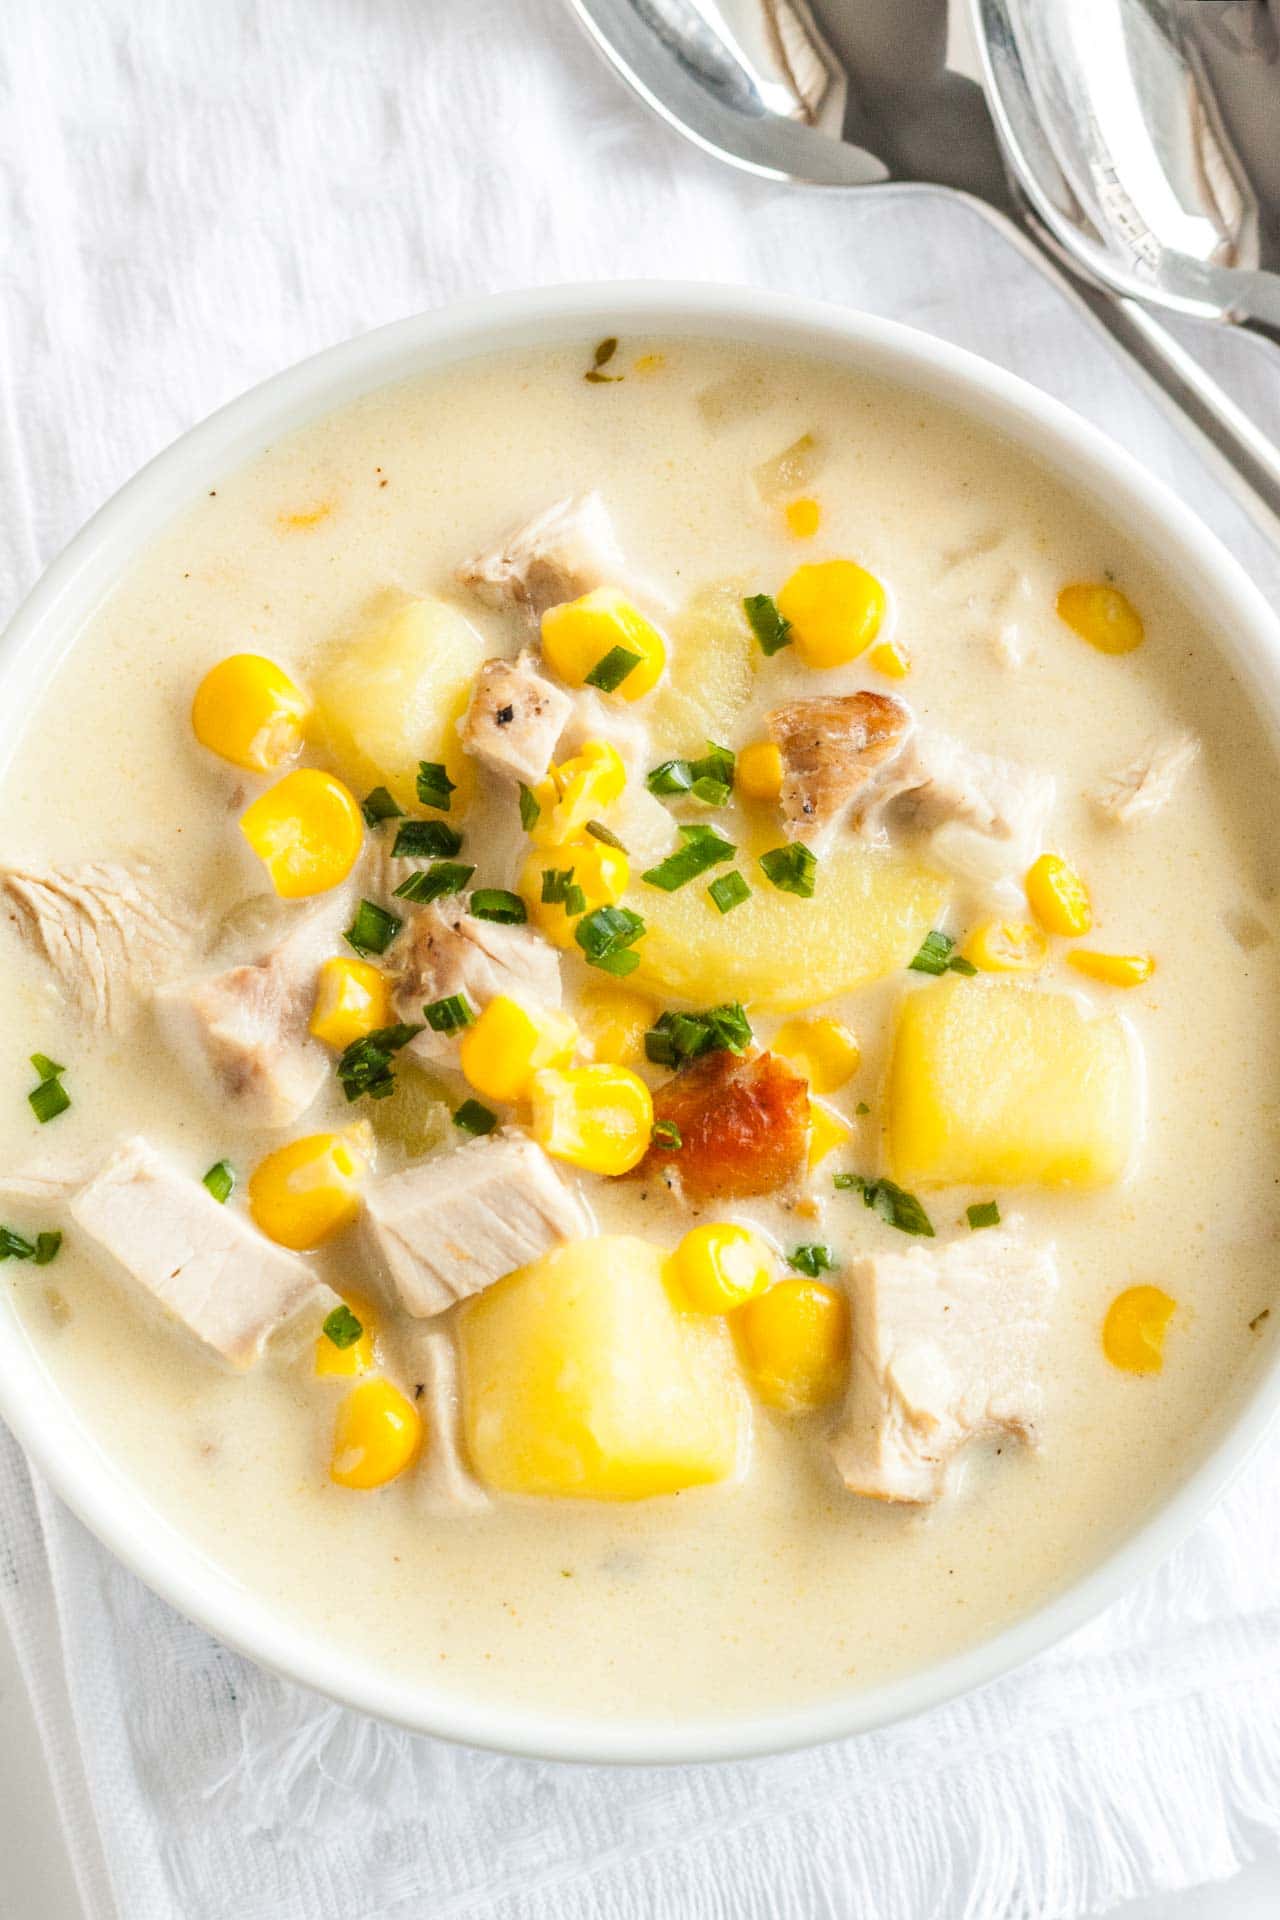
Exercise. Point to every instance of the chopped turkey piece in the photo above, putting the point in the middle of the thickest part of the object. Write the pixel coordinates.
(946, 1347)
(592, 717)
(744, 1127)
(451, 1226)
(560, 554)
(984, 818)
(1136, 791)
(108, 930)
(443, 950)
(244, 1033)
(201, 1261)
(445, 1482)
(831, 748)
(515, 718)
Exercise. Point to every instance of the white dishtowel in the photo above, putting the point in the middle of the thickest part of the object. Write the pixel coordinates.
(191, 197)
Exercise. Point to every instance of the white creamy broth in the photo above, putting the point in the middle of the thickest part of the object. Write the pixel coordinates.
(777, 1585)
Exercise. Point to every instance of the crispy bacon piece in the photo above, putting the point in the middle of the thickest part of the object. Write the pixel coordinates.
(744, 1126)
(830, 749)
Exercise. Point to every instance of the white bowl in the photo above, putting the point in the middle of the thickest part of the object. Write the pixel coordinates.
(1199, 568)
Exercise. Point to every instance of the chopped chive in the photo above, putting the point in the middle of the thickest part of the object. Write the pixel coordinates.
(958, 964)
(712, 793)
(450, 1014)
(681, 1037)
(221, 1180)
(47, 1247)
(432, 839)
(365, 1066)
(441, 878)
(46, 1068)
(938, 955)
(729, 891)
(791, 869)
(14, 1247)
(474, 1118)
(434, 785)
(667, 1135)
(49, 1099)
(342, 1327)
(556, 882)
(530, 807)
(703, 848)
(899, 1208)
(373, 929)
(812, 1259)
(379, 806)
(717, 764)
(608, 674)
(984, 1213)
(607, 937)
(496, 903)
(670, 777)
(767, 624)
(598, 831)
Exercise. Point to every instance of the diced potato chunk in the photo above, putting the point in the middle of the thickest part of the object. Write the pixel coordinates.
(994, 1084)
(582, 1378)
(391, 696)
(778, 953)
(711, 668)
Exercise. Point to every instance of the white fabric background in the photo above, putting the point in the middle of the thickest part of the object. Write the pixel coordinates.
(192, 196)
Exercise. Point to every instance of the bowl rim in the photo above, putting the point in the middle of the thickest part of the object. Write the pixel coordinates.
(102, 1494)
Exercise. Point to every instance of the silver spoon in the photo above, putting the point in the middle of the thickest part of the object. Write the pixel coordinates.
(1131, 190)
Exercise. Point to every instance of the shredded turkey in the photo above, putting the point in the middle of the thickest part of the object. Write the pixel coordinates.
(109, 930)
(450, 1226)
(443, 949)
(831, 749)
(445, 1482)
(982, 817)
(515, 718)
(946, 1348)
(562, 553)
(1148, 782)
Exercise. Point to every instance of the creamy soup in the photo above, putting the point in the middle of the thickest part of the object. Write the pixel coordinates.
(855, 1313)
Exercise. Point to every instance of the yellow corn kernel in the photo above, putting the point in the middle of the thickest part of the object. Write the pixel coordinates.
(1007, 946)
(578, 635)
(615, 1021)
(302, 1194)
(890, 658)
(352, 999)
(758, 775)
(1057, 897)
(307, 831)
(717, 1267)
(578, 790)
(1103, 616)
(509, 1043)
(1114, 969)
(794, 1342)
(835, 609)
(827, 1131)
(602, 872)
(344, 1363)
(824, 1050)
(1133, 1331)
(376, 1436)
(599, 1118)
(803, 518)
(248, 710)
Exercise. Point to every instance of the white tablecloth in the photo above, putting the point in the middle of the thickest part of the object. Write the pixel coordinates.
(191, 197)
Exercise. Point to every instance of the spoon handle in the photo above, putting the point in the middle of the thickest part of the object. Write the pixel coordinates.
(1243, 458)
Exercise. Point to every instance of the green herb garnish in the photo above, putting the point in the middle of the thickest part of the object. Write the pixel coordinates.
(900, 1209)
(379, 806)
(496, 903)
(791, 869)
(812, 1259)
(703, 847)
(667, 1136)
(984, 1213)
(474, 1118)
(434, 882)
(46, 1068)
(604, 353)
(729, 891)
(938, 955)
(429, 839)
(680, 1037)
(767, 624)
(434, 785)
(365, 1066)
(598, 831)
(373, 929)
(709, 779)
(220, 1181)
(608, 674)
(450, 1014)
(530, 807)
(47, 1247)
(14, 1247)
(607, 937)
(342, 1327)
(50, 1098)
(670, 777)
(560, 890)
